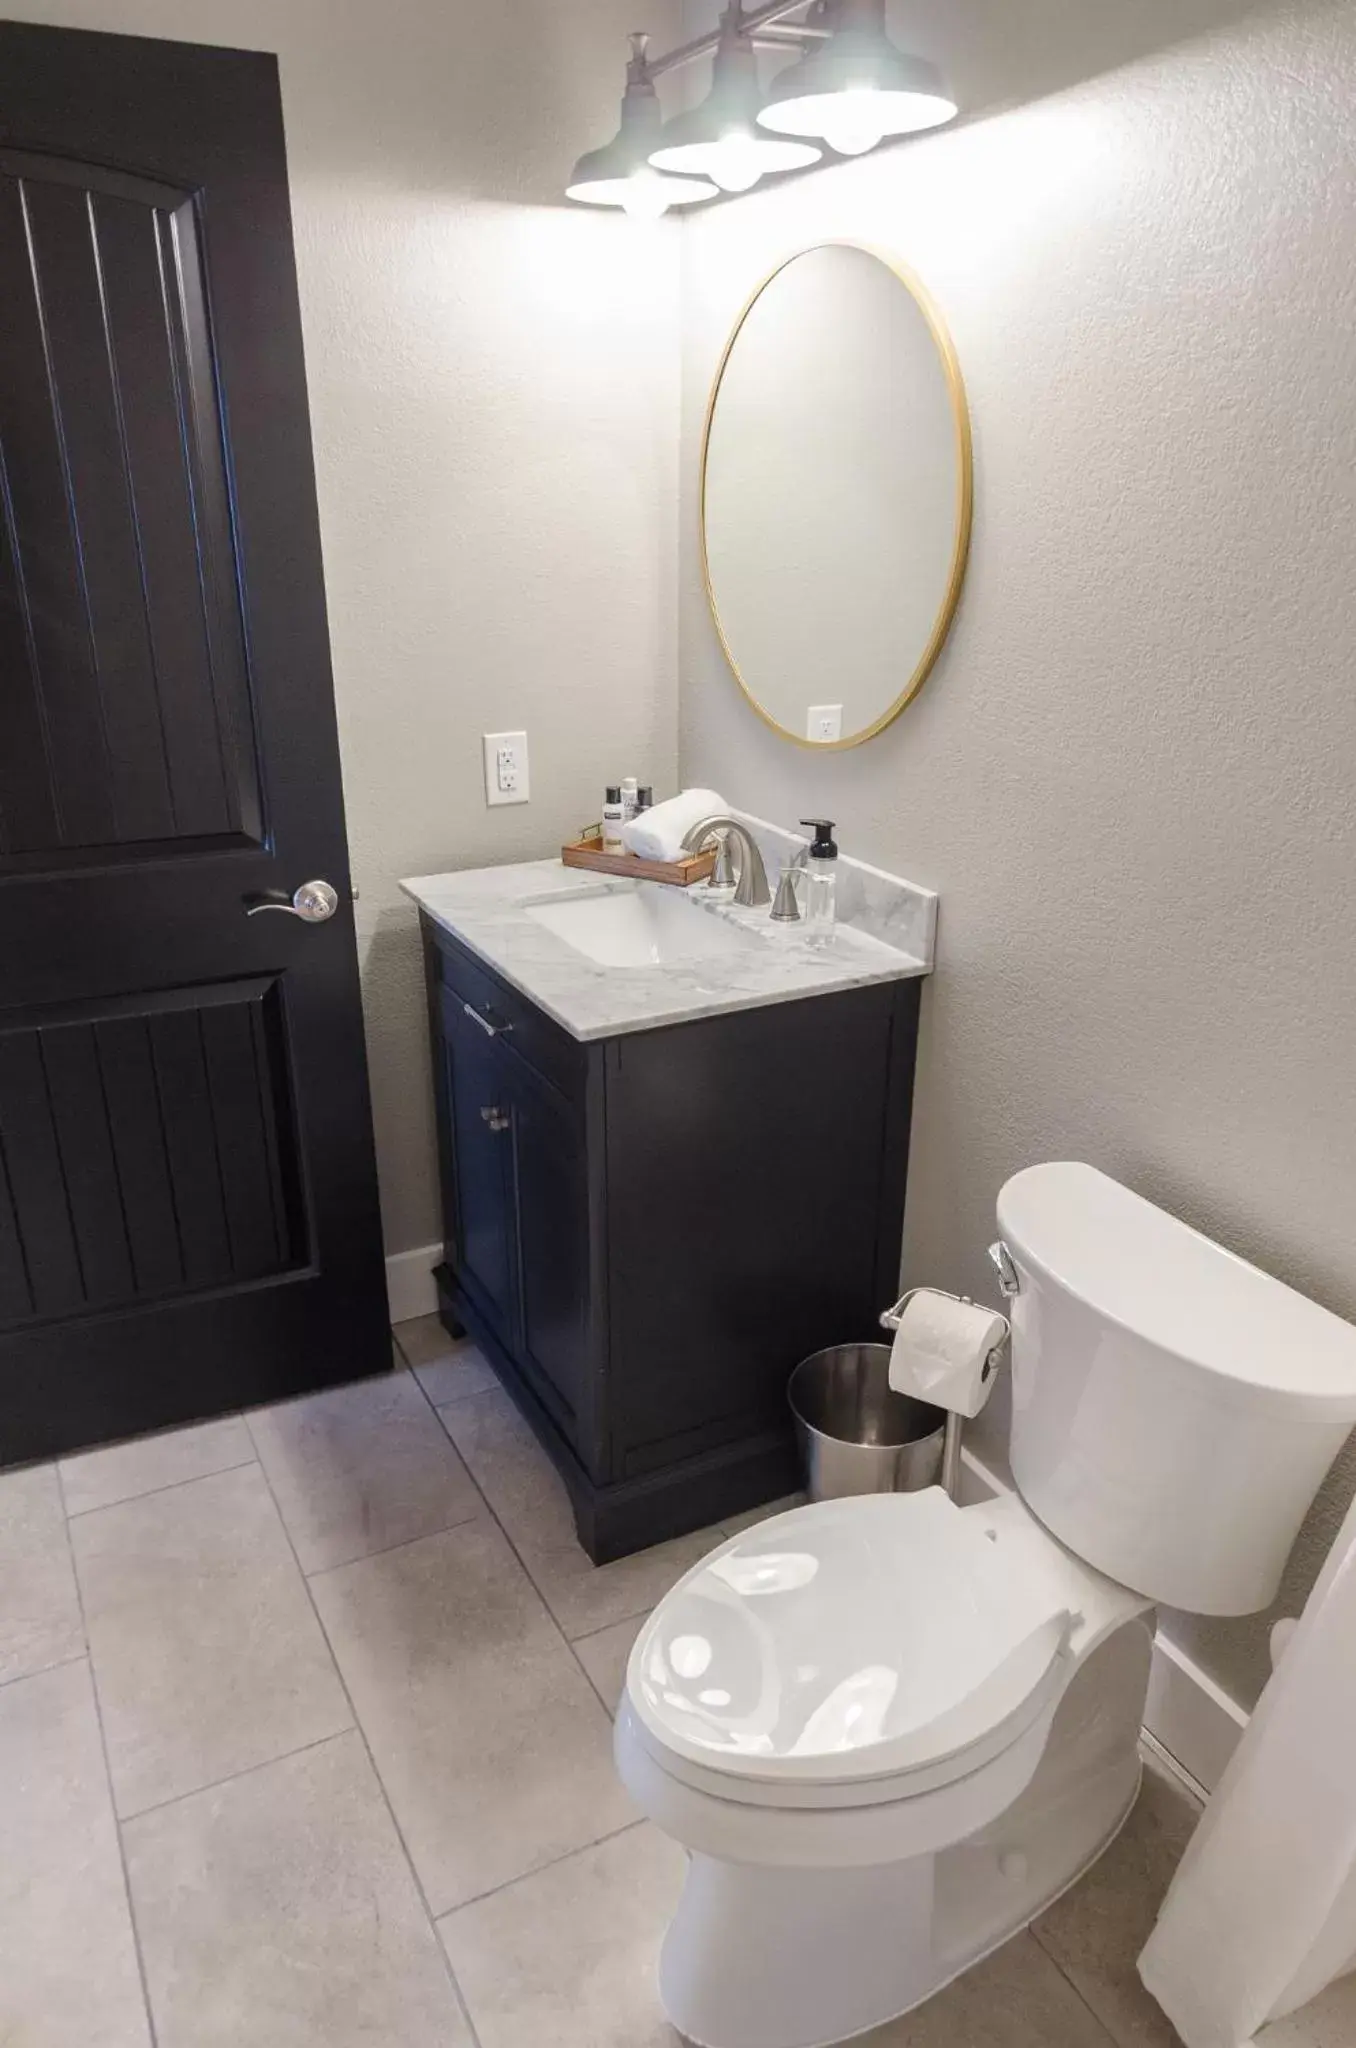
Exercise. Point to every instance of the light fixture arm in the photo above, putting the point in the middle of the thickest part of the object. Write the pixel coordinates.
(754, 19)
(791, 35)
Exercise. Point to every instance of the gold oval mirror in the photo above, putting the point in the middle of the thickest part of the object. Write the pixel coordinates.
(836, 494)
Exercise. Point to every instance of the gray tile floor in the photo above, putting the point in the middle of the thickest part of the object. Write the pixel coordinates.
(305, 1743)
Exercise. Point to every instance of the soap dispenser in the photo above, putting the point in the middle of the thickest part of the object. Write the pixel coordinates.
(821, 869)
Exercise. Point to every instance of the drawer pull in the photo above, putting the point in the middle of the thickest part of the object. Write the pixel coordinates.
(495, 1118)
(490, 1030)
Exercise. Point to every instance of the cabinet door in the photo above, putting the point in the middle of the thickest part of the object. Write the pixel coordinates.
(551, 1218)
(765, 1130)
(476, 1086)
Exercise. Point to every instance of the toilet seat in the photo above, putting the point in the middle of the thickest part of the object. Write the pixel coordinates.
(855, 1651)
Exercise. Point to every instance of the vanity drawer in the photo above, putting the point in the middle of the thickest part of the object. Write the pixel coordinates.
(519, 1026)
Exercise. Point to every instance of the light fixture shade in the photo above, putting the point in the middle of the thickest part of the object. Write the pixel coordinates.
(857, 88)
(720, 139)
(620, 173)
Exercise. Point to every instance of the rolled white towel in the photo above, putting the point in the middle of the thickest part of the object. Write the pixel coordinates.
(657, 834)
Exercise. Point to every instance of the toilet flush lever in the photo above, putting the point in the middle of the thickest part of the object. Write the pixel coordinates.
(1009, 1282)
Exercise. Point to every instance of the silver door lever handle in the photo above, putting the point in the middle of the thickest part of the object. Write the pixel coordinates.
(313, 903)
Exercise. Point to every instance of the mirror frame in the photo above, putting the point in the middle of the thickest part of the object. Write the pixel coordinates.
(965, 496)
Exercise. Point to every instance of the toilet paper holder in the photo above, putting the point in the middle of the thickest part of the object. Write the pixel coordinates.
(951, 1444)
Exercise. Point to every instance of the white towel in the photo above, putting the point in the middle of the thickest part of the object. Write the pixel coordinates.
(657, 834)
(1261, 1915)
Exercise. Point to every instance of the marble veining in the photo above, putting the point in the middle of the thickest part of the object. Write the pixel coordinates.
(898, 913)
(885, 934)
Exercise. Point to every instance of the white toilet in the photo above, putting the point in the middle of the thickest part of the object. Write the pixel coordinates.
(890, 1730)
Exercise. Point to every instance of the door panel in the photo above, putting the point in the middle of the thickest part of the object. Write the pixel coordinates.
(551, 1191)
(142, 1151)
(118, 570)
(188, 1214)
(477, 1085)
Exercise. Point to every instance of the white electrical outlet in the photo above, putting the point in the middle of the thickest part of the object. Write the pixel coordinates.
(506, 776)
(824, 722)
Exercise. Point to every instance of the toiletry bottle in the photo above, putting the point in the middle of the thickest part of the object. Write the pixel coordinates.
(629, 793)
(614, 816)
(644, 798)
(821, 870)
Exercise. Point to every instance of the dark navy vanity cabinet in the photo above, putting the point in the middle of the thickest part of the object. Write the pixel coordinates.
(645, 1232)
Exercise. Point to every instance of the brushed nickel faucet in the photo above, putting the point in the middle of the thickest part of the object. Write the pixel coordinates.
(751, 889)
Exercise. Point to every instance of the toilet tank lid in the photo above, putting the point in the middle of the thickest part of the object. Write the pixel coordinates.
(1153, 1275)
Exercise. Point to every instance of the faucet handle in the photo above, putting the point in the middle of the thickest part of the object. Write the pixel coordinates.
(723, 873)
(786, 909)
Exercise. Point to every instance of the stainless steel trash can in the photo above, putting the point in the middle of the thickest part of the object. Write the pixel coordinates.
(856, 1434)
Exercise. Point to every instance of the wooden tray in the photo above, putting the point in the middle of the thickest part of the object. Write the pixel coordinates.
(588, 853)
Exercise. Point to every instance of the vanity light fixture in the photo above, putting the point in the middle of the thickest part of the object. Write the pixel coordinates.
(620, 173)
(857, 88)
(720, 139)
(850, 89)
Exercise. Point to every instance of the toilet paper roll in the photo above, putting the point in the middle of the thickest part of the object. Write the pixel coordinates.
(941, 1351)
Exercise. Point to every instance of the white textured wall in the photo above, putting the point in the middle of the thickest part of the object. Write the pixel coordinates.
(494, 390)
(1132, 775)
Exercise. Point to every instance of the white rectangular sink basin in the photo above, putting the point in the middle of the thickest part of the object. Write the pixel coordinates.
(638, 924)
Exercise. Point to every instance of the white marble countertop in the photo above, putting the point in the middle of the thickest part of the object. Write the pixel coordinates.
(485, 908)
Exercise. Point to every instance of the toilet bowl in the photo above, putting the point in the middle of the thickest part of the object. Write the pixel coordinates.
(828, 1705)
(889, 1730)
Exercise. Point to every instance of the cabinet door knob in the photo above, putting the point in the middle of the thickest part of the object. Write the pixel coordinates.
(495, 1118)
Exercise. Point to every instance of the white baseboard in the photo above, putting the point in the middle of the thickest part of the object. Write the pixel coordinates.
(409, 1282)
(1192, 1717)
(1187, 1714)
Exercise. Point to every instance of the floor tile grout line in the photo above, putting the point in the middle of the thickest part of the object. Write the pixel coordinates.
(457, 1993)
(525, 1567)
(556, 1624)
(343, 1564)
(152, 1492)
(41, 1670)
(1113, 2038)
(540, 1592)
(455, 1400)
(551, 1863)
(611, 1712)
(265, 1763)
(587, 1635)
(637, 1615)
(142, 1978)
(559, 1628)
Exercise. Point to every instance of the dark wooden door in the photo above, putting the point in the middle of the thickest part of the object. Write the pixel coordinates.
(188, 1215)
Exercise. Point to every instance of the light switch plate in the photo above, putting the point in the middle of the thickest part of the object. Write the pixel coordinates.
(824, 722)
(506, 772)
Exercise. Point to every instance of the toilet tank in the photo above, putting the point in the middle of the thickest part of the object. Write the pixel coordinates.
(1174, 1409)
